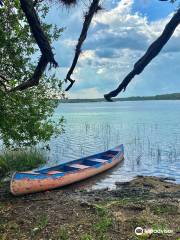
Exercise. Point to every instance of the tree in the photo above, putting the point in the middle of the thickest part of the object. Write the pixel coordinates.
(25, 116)
(30, 10)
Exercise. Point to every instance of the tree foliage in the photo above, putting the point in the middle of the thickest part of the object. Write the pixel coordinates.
(25, 117)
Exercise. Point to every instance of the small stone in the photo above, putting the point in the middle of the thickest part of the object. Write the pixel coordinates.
(35, 229)
(97, 199)
(84, 204)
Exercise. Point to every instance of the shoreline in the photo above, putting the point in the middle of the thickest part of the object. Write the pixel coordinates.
(163, 97)
(79, 213)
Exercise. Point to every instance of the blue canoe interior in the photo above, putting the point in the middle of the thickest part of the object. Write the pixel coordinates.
(96, 160)
(90, 161)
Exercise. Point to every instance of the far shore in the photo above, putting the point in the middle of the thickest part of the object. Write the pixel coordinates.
(171, 96)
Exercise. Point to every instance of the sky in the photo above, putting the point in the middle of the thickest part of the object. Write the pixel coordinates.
(119, 35)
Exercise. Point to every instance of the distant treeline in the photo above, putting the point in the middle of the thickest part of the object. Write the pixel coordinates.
(172, 96)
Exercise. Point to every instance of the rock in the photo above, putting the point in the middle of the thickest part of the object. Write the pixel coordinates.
(97, 199)
(119, 184)
(84, 204)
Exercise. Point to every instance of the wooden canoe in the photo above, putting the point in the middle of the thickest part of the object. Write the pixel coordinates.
(66, 173)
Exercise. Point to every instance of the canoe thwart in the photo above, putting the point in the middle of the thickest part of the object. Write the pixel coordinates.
(53, 172)
(80, 166)
(98, 160)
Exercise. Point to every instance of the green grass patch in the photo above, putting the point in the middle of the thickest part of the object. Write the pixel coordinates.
(20, 160)
(41, 223)
(87, 237)
(10, 226)
(63, 234)
(164, 209)
(3, 167)
(124, 202)
(101, 210)
(103, 224)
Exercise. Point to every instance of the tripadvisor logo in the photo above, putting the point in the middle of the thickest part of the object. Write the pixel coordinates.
(148, 231)
(139, 231)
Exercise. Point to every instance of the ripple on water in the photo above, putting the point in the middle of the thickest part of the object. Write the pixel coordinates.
(149, 130)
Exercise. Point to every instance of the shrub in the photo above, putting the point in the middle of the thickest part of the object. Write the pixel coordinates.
(20, 160)
(3, 167)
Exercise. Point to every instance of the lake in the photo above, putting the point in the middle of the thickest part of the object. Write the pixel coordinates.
(149, 130)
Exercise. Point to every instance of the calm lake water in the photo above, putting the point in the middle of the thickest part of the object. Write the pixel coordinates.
(149, 130)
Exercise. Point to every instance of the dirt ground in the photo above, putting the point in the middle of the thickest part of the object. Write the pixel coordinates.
(70, 214)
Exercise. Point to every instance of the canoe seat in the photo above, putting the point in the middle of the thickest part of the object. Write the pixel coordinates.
(53, 172)
(80, 166)
(98, 160)
(30, 172)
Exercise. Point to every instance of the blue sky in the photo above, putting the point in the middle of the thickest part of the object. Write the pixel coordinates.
(118, 36)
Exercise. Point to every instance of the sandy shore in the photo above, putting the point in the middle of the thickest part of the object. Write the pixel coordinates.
(77, 213)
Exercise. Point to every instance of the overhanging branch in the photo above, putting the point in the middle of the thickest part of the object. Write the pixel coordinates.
(150, 54)
(43, 43)
(36, 29)
(94, 7)
(34, 80)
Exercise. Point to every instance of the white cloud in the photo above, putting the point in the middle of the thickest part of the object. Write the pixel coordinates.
(118, 38)
(121, 23)
(85, 93)
(123, 9)
(70, 42)
(87, 54)
(129, 29)
(101, 71)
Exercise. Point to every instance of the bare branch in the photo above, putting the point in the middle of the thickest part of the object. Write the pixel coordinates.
(94, 7)
(151, 53)
(43, 43)
(40, 37)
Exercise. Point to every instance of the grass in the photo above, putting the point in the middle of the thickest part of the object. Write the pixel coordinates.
(102, 227)
(63, 234)
(10, 226)
(87, 237)
(164, 209)
(41, 224)
(125, 201)
(101, 210)
(20, 160)
(104, 222)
